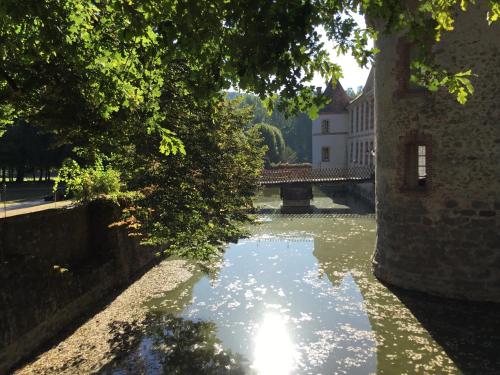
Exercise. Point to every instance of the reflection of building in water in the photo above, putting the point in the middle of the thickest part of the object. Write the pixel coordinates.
(343, 250)
(402, 345)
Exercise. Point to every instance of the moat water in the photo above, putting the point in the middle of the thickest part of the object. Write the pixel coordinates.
(298, 297)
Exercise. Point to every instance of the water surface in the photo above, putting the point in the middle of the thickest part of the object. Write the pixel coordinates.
(298, 297)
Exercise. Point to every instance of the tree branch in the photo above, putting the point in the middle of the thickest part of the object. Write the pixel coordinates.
(9, 80)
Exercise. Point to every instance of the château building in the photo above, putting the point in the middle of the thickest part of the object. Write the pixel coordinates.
(343, 133)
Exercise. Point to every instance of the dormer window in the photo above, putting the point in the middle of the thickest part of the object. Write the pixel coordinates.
(325, 127)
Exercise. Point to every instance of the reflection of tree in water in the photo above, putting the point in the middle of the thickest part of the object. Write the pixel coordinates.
(174, 345)
(192, 347)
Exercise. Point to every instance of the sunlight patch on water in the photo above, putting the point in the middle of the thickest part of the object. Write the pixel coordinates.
(275, 353)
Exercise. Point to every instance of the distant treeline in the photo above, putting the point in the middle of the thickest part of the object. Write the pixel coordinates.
(25, 151)
(296, 131)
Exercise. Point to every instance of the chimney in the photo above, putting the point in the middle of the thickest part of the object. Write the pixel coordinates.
(318, 90)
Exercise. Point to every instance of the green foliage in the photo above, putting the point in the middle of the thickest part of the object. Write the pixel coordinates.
(296, 130)
(289, 156)
(171, 335)
(139, 80)
(92, 63)
(272, 139)
(90, 183)
(424, 24)
(353, 94)
(191, 204)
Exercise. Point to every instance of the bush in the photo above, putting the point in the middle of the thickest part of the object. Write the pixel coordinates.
(87, 184)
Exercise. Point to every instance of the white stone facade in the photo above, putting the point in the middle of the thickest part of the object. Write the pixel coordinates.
(343, 133)
(329, 140)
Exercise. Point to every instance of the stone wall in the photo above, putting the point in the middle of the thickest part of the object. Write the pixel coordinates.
(37, 300)
(364, 191)
(443, 238)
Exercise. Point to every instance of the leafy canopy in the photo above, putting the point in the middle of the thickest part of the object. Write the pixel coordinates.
(80, 65)
(272, 138)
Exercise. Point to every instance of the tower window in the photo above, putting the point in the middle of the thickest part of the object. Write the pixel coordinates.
(416, 166)
(422, 165)
(325, 127)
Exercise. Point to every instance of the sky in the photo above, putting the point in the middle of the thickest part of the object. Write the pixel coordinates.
(354, 76)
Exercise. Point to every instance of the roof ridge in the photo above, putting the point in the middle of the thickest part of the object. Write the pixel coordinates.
(339, 98)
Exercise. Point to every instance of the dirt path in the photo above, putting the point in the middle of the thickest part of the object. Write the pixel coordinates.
(103, 337)
(30, 209)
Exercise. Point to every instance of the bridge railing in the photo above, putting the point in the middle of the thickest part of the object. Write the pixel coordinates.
(341, 174)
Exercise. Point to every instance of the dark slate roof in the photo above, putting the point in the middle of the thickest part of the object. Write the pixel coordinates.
(369, 82)
(340, 100)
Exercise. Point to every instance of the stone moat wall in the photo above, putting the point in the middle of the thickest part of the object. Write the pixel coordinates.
(443, 238)
(37, 300)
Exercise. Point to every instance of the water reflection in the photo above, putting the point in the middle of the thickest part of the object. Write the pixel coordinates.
(173, 345)
(298, 297)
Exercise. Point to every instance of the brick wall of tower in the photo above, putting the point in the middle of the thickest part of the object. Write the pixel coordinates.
(445, 238)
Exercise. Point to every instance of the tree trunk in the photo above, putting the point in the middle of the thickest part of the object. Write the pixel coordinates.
(20, 174)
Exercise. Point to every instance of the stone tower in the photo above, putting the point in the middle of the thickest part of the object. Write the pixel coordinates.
(438, 167)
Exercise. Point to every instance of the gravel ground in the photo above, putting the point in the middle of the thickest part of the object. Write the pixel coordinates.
(111, 332)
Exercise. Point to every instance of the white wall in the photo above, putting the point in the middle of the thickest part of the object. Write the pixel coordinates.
(336, 140)
(361, 130)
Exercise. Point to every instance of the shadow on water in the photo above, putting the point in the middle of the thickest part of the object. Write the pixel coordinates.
(469, 332)
(324, 204)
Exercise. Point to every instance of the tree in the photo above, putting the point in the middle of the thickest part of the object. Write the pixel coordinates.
(296, 129)
(136, 81)
(191, 203)
(82, 66)
(353, 94)
(24, 148)
(272, 138)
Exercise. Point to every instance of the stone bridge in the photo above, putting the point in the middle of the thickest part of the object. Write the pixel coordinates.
(296, 182)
